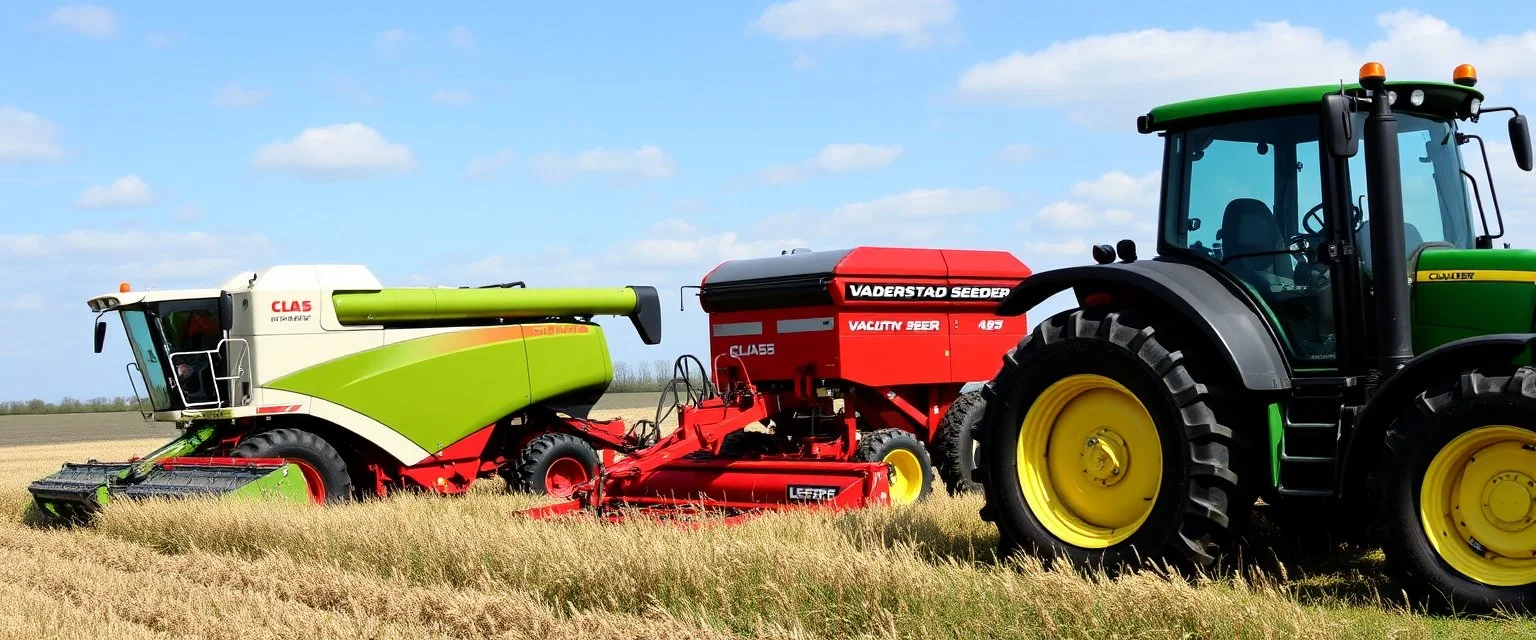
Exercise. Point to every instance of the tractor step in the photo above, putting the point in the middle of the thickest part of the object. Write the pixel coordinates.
(79, 489)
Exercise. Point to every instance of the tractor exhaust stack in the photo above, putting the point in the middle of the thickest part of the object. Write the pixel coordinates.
(1389, 263)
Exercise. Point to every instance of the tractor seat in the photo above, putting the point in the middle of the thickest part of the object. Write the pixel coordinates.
(1248, 226)
(1412, 240)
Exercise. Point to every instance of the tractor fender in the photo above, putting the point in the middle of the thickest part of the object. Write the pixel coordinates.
(1397, 393)
(1203, 301)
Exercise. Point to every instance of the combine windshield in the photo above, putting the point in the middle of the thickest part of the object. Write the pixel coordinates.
(176, 347)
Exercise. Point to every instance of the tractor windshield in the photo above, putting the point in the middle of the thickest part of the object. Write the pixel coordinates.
(1436, 206)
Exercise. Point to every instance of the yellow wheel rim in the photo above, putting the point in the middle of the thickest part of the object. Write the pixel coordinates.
(1478, 505)
(1090, 461)
(906, 476)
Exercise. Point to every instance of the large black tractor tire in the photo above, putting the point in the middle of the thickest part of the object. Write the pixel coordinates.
(323, 461)
(911, 469)
(1471, 441)
(955, 448)
(552, 464)
(1130, 456)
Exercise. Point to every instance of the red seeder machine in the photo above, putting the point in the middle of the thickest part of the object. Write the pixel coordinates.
(833, 376)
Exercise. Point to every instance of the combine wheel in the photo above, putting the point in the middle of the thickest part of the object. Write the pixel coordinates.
(1104, 444)
(956, 448)
(911, 469)
(553, 464)
(325, 472)
(1456, 495)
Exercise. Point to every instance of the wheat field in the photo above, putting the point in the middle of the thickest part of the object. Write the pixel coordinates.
(467, 567)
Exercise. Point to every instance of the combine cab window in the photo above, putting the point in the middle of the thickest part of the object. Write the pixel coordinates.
(1249, 200)
(147, 356)
(191, 333)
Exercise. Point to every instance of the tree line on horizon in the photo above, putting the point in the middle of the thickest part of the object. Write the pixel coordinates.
(642, 377)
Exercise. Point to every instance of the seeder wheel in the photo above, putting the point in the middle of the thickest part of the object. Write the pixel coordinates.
(911, 468)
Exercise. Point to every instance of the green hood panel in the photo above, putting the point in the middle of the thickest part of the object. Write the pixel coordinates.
(437, 389)
(1461, 293)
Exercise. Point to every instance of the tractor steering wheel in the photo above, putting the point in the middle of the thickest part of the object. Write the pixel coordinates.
(1357, 219)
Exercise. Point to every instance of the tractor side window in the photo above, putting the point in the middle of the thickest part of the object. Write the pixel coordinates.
(1436, 205)
(1249, 203)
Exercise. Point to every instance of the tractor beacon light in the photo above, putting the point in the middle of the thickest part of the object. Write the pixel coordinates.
(124, 288)
(1465, 75)
(1372, 71)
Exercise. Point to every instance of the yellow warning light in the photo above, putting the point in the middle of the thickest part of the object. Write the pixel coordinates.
(1465, 75)
(124, 288)
(1372, 71)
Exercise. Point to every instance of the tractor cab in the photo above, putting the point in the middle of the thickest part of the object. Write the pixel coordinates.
(182, 352)
(1248, 191)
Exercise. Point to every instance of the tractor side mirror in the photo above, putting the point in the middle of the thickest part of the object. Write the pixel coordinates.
(1338, 126)
(226, 311)
(1520, 140)
(101, 334)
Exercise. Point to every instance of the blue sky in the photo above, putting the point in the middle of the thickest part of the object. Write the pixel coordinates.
(174, 144)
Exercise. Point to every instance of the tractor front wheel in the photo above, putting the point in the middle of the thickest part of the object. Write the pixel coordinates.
(325, 473)
(1456, 495)
(553, 464)
(911, 470)
(1106, 444)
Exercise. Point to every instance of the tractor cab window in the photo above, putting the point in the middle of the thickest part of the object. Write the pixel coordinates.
(1436, 204)
(1248, 198)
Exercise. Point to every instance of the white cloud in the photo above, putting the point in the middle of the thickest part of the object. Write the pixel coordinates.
(26, 136)
(1077, 216)
(186, 214)
(199, 257)
(909, 20)
(460, 37)
(161, 40)
(235, 94)
(1109, 79)
(1068, 247)
(1120, 188)
(645, 162)
(488, 166)
(1015, 153)
(127, 191)
(88, 20)
(24, 302)
(925, 203)
(678, 243)
(390, 40)
(451, 97)
(334, 152)
(833, 158)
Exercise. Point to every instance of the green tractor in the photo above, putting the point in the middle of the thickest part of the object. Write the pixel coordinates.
(1326, 329)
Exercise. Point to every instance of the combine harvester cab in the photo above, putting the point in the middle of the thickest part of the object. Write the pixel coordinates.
(833, 374)
(317, 383)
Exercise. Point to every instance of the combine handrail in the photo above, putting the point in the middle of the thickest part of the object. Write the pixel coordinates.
(241, 373)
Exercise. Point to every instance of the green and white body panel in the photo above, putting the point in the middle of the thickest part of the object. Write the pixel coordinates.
(410, 371)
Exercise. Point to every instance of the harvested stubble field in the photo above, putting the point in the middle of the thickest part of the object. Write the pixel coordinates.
(422, 567)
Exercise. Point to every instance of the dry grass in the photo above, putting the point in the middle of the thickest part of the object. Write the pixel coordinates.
(424, 567)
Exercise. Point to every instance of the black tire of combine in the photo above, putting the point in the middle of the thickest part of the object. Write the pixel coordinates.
(876, 446)
(1196, 521)
(1435, 418)
(305, 446)
(530, 473)
(954, 445)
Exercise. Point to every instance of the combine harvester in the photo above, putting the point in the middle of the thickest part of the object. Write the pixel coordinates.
(317, 383)
(1326, 325)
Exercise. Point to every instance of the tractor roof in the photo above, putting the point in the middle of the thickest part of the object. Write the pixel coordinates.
(1441, 99)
